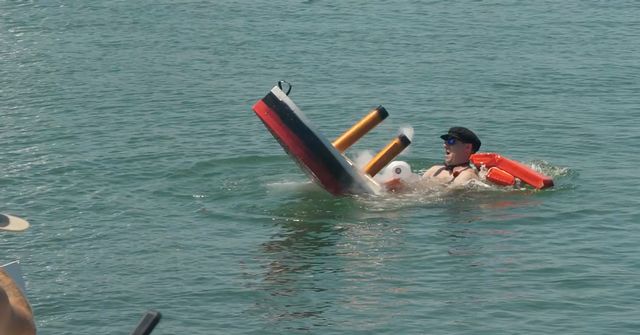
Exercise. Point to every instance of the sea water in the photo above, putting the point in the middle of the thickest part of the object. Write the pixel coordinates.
(128, 141)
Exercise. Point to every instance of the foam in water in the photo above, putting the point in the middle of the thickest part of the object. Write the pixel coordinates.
(292, 186)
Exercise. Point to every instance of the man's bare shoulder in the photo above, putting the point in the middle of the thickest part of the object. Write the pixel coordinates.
(465, 176)
(432, 170)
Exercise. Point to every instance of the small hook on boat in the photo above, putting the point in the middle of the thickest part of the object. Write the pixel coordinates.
(288, 84)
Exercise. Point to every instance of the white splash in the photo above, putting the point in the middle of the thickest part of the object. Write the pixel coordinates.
(408, 132)
(361, 159)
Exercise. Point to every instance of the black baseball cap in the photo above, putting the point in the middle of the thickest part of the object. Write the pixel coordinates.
(463, 134)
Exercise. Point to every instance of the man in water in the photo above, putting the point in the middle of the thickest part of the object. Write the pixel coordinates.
(16, 316)
(459, 144)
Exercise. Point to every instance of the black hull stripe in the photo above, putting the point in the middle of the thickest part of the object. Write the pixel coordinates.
(309, 139)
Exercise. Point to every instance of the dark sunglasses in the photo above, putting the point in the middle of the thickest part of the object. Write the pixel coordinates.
(451, 141)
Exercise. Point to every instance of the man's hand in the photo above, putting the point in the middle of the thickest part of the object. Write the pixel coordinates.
(395, 185)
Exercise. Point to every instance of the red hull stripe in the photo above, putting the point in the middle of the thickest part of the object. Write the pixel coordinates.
(309, 138)
(302, 144)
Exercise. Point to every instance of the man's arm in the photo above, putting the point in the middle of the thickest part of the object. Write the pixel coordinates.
(21, 322)
(464, 178)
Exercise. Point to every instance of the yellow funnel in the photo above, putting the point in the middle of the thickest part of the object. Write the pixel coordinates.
(358, 130)
(387, 154)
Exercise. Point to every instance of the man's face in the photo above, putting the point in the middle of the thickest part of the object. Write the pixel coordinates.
(456, 151)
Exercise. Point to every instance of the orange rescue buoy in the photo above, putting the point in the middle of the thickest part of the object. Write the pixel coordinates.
(501, 167)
